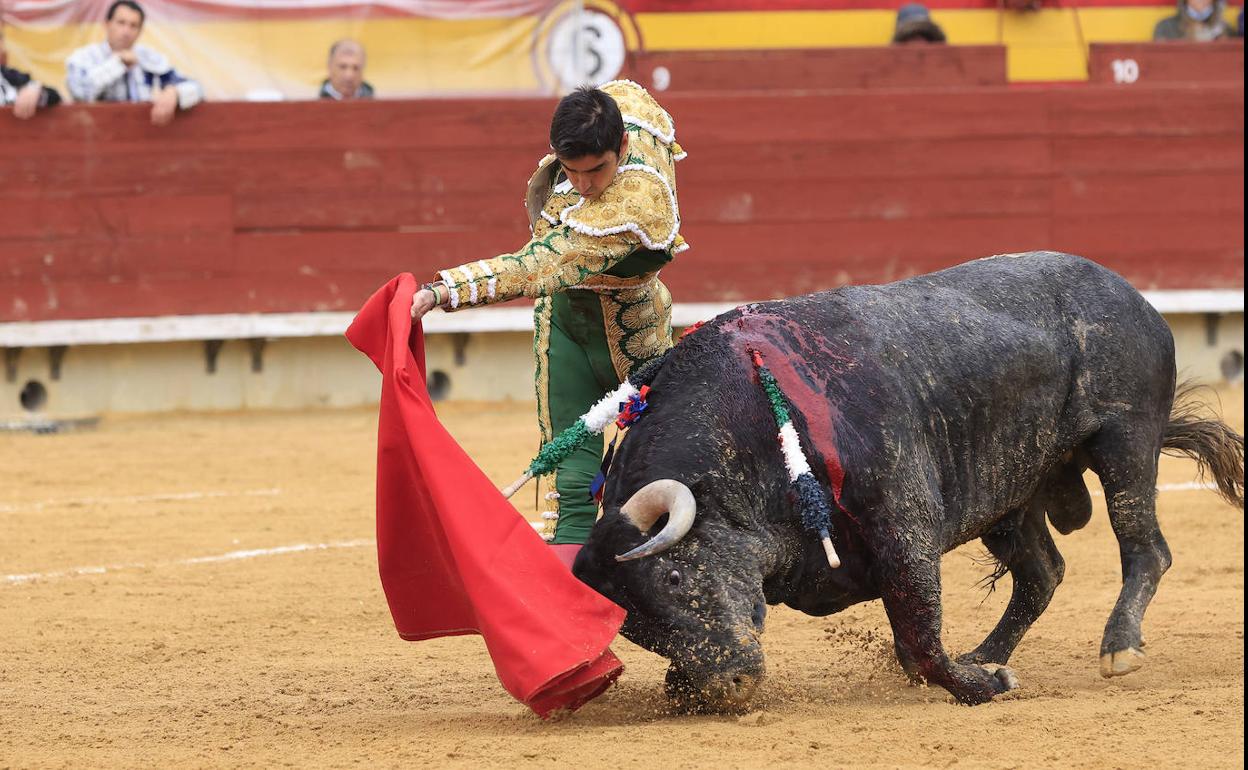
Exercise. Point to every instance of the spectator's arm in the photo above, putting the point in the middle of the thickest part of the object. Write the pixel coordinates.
(49, 96)
(189, 92)
(87, 83)
(15, 78)
(21, 82)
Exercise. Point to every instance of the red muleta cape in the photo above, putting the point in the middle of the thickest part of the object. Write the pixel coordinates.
(455, 557)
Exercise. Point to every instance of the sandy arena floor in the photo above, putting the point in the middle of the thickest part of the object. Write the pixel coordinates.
(197, 590)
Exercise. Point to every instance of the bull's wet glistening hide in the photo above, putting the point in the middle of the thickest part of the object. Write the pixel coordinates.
(957, 405)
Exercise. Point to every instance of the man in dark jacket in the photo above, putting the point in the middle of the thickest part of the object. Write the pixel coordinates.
(1195, 20)
(20, 90)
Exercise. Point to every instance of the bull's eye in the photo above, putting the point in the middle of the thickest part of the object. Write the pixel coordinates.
(673, 577)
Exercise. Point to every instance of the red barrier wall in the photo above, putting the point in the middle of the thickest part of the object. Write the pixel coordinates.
(1170, 62)
(913, 66)
(310, 206)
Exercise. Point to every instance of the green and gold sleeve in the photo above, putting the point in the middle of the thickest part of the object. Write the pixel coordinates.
(558, 259)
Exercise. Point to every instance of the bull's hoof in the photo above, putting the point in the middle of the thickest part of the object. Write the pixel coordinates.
(1122, 662)
(980, 683)
(1004, 675)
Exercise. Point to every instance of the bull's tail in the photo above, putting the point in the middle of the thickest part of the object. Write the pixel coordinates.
(1217, 449)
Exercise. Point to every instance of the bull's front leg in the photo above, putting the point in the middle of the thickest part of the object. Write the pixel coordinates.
(909, 578)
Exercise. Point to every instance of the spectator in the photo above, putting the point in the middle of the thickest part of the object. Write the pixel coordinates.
(915, 25)
(1198, 20)
(346, 73)
(20, 90)
(1239, 24)
(119, 70)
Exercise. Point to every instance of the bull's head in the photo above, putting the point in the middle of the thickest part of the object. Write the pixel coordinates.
(692, 589)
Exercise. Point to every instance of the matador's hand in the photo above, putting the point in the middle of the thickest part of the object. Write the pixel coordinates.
(422, 302)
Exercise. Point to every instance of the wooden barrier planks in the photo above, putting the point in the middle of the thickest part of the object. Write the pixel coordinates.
(912, 67)
(1172, 61)
(239, 208)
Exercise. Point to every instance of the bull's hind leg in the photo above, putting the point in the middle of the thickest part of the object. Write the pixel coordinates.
(1024, 546)
(1126, 462)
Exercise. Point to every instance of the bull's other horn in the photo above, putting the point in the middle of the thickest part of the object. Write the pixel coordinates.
(650, 502)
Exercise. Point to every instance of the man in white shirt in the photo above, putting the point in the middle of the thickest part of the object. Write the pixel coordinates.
(118, 70)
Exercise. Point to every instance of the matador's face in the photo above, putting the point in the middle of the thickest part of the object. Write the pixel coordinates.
(591, 174)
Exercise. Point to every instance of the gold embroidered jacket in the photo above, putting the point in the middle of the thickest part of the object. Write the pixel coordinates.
(580, 244)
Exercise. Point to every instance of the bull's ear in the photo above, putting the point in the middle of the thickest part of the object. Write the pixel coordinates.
(648, 504)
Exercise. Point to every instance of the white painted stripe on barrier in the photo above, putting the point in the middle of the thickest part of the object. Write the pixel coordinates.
(109, 331)
(1169, 301)
(690, 313)
(189, 328)
(1196, 300)
(39, 505)
(224, 557)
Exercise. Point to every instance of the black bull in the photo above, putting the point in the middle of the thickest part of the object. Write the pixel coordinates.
(962, 404)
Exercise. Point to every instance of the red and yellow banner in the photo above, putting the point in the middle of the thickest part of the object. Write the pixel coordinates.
(269, 48)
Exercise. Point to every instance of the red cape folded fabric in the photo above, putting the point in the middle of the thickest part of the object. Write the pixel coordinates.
(455, 557)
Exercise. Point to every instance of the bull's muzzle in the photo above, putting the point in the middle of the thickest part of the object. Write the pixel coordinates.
(648, 504)
(726, 692)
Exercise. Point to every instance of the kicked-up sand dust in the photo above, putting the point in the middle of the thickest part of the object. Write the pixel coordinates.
(202, 590)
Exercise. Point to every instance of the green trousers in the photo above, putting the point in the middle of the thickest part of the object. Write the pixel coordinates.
(574, 370)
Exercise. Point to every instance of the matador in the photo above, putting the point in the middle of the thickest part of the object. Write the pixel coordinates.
(604, 219)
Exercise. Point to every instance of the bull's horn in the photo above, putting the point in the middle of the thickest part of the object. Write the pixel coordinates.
(650, 502)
